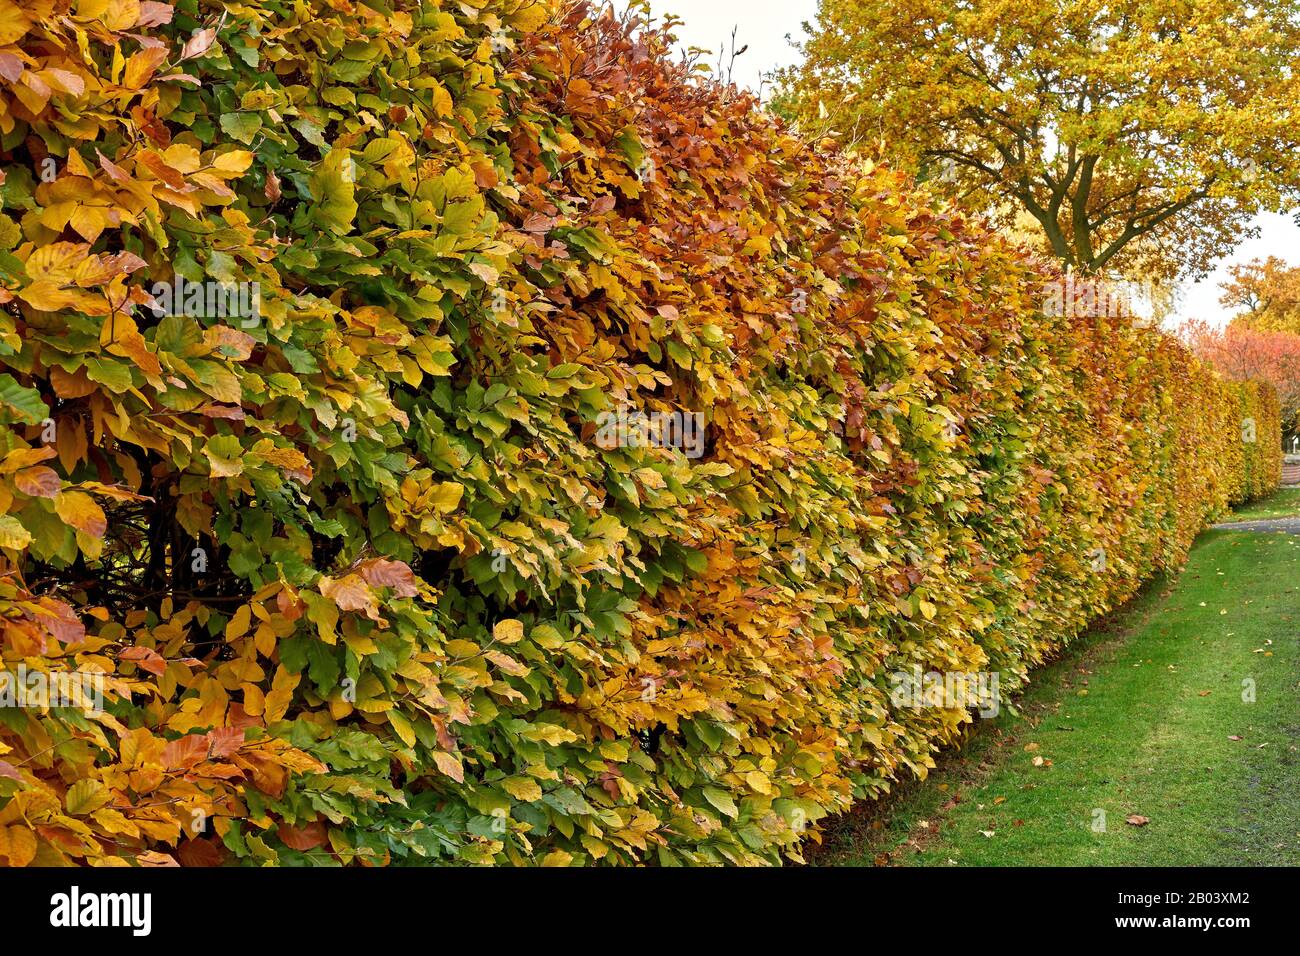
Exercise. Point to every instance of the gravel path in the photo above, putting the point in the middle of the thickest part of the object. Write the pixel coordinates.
(1286, 525)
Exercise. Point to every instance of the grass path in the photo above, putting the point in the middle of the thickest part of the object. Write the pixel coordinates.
(1283, 503)
(1137, 719)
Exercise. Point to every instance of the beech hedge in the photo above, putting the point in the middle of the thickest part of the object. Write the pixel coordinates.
(453, 432)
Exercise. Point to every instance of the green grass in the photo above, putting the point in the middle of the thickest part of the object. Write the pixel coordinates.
(1283, 503)
(1136, 718)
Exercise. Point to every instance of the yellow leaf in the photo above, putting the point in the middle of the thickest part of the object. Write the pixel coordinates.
(122, 14)
(446, 496)
(239, 622)
(450, 765)
(523, 788)
(87, 795)
(508, 631)
(80, 511)
(233, 163)
(18, 845)
(13, 22)
(13, 534)
(47, 296)
(402, 727)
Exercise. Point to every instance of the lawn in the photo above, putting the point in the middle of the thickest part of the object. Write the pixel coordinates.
(1283, 503)
(1151, 719)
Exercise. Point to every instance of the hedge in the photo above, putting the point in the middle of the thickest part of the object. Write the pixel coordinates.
(590, 460)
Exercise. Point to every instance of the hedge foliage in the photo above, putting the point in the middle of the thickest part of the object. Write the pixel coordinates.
(363, 582)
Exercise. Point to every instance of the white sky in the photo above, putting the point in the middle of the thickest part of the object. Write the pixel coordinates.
(765, 26)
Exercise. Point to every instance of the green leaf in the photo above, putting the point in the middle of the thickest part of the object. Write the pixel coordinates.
(722, 801)
(334, 190)
(242, 126)
(26, 403)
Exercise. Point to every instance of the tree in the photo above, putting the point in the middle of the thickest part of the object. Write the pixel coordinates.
(1267, 293)
(1139, 135)
(1242, 353)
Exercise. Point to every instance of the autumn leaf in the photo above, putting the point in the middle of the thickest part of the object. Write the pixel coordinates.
(508, 631)
(199, 853)
(13, 534)
(198, 44)
(389, 574)
(85, 796)
(13, 22)
(449, 764)
(39, 482)
(350, 593)
(306, 837)
(80, 511)
(18, 845)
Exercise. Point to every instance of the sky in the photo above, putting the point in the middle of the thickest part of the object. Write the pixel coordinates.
(765, 26)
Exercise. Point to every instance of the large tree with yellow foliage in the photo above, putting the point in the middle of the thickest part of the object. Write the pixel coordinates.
(1140, 135)
(1266, 294)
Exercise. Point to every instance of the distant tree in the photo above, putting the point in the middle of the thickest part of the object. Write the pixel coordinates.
(1140, 135)
(1266, 294)
(1241, 353)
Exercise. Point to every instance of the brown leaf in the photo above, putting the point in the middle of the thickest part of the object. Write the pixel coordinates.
(61, 621)
(11, 68)
(199, 44)
(154, 858)
(350, 593)
(153, 14)
(306, 837)
(539, 223)
(389, 574)
(199, 853)
(272, 190)
(224, 741)
(38, 482)
(148, 659)
(184, 752)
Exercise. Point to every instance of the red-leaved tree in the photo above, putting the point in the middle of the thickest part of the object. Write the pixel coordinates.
(1241, 353)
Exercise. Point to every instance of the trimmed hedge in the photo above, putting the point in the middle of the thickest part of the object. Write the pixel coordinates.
(368, 577)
